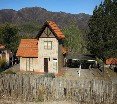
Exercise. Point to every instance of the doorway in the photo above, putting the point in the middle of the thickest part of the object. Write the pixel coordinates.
(46, 65)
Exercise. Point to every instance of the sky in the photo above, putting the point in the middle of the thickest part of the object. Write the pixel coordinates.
(68, 6)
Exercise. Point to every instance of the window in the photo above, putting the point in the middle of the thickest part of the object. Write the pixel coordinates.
(48, 45)
(54, 64)
(45, 45)
(29, 64)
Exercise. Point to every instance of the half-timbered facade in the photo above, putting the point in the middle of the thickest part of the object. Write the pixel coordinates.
(45, 53)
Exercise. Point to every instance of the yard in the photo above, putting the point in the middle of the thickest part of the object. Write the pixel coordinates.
(70, 86)
(72, 73)
(50, 102)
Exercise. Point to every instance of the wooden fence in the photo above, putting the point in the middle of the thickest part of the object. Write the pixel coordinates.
(36, 88)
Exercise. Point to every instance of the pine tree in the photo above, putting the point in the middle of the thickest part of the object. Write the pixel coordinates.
(102, 38)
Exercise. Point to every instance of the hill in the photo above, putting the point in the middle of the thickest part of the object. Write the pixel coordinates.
(40, 15)
(29, 20)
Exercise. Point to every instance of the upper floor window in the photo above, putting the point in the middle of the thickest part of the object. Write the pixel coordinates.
(48, 45)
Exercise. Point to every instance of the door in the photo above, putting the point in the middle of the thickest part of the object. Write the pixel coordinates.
(27, 64)
(46, 65)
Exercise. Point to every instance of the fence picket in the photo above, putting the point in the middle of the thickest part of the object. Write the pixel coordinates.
(36, 88)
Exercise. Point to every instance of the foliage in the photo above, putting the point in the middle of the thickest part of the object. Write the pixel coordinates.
(42, 92)
(9, 37)
(9, 72)
(25, 23)
(49, 75)
(102, 38)
(75, 39)
(29, 28)
(10, 34)
(39, 16)
(2, 65)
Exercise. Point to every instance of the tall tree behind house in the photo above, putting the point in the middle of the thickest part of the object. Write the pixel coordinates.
(102, 38)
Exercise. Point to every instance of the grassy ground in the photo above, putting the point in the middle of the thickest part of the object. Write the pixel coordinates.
(50, 102)
(68, 74)
(72, 73)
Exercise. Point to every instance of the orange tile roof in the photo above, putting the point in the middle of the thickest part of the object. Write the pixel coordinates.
(2, 46)
(64, 50)
(28, 48)
(111, 61)
(55, 29)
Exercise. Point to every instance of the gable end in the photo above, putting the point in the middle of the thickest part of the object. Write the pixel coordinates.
(53, 28)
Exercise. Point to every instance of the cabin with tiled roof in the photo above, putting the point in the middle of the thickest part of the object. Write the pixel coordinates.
(45, 53)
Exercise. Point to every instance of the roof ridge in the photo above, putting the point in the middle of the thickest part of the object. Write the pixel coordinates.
(56, 29)
(28, 39)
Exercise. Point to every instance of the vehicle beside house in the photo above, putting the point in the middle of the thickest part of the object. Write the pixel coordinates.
(45, 53)
(85, 61)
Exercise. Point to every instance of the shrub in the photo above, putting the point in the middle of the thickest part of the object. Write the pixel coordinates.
(49, 75)
(41, 93)
(9, 72)
(2, 63)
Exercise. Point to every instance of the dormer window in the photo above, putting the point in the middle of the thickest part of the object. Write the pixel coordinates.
(48, 45)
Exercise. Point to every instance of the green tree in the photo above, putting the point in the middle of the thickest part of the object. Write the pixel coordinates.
(102, 38)
(74, 39)
(9, 36)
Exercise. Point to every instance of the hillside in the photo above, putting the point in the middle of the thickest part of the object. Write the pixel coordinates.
(29, 20)
(40, 15)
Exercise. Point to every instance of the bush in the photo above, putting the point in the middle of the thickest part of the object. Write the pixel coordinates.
(2, 64)
(49, 75)
(41, 92)
(9, 72)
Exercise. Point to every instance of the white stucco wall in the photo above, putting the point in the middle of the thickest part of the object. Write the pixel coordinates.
(26, 67)
(44, 53)
(35, 64)
(22, 64)
(54, 53)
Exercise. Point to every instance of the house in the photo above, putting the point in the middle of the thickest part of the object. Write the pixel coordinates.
(5, 54)
(45, 53)
(111, 61)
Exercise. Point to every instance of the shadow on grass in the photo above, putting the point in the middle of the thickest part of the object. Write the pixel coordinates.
(1, 70)
(5, 71)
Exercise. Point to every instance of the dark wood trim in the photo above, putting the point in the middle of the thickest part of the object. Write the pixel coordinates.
(28, 57)
(46, 65)
(49, 33)
(43, 28)
(45, 32)
(47, 37)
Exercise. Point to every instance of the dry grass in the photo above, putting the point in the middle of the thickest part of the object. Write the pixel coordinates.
(3, 101)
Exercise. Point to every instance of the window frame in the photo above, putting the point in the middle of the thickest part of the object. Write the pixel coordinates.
(47, 45)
